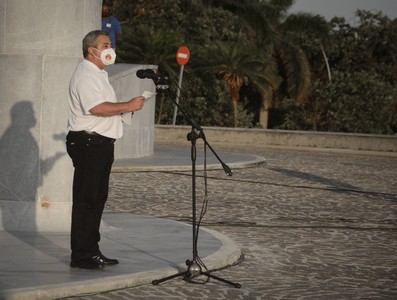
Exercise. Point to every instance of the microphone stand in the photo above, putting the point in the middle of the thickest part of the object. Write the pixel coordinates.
(194, 268)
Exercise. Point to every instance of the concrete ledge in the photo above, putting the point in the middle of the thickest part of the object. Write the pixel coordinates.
(282, 138)
(36, 265)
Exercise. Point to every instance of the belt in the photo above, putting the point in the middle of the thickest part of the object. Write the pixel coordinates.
(93, 134)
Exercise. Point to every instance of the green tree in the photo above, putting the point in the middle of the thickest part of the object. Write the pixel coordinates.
(206, 27)
(359, 102)
(233, 63)
(362, 96)
(311, 33)
(303, 50)
(265, 18)
(154, 47)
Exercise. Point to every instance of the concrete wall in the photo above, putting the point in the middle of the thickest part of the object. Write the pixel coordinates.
(40, 46)
(46, 27)
(138, 138)
(281, 138)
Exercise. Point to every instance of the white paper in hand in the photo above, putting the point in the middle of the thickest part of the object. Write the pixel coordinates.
(126, 118)
(148, 95)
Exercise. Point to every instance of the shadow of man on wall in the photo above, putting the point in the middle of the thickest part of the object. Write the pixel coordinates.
(21, 174)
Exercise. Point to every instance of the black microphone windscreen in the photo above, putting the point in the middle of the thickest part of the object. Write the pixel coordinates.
(140, 74)
(148, 73)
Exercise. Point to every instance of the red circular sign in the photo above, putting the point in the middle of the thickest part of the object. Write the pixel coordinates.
(182, 55)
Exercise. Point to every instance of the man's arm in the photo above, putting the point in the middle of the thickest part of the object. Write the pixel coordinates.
(108, 109)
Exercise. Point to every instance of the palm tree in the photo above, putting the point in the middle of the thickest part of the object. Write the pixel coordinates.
(154, 46)
(233, 63)
(259, 18)
(312, 33)
(265, 18)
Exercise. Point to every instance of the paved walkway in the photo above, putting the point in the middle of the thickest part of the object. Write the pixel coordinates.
(311, 224)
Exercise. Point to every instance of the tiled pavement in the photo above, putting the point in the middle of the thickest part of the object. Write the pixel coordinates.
(311, 225)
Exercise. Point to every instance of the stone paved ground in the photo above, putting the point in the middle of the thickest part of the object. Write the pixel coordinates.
(312, 225)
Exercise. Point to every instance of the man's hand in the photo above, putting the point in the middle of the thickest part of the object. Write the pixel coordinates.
(136, 103)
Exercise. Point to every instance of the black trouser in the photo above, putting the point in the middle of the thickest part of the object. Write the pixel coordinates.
(92, 157)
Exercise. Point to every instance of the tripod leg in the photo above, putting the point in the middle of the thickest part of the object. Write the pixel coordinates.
(236, 285)
(158, 281)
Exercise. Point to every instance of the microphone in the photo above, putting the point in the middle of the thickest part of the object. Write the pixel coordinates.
(142, 74)
(150, 74)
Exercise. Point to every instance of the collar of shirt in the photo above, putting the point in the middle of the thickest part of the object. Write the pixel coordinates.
(93, 66)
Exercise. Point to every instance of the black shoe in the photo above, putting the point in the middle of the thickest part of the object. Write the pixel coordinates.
(103, 260)
(87, 263)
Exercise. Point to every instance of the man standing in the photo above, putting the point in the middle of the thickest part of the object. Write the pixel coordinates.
(94, 124)
(111, 25)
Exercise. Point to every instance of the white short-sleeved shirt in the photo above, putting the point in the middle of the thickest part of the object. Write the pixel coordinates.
(89, 86)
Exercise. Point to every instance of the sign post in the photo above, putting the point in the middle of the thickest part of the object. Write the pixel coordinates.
(182, 58)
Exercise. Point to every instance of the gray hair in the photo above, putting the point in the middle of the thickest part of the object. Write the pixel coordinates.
(90, 40)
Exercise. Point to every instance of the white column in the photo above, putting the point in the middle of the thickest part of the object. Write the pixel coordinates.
(40, 46)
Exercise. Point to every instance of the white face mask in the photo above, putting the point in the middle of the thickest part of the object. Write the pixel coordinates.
(108, 56)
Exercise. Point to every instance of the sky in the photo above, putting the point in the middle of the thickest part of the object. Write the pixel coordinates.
(344, 8)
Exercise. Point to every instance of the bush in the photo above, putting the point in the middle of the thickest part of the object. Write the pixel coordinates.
(357, 102)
